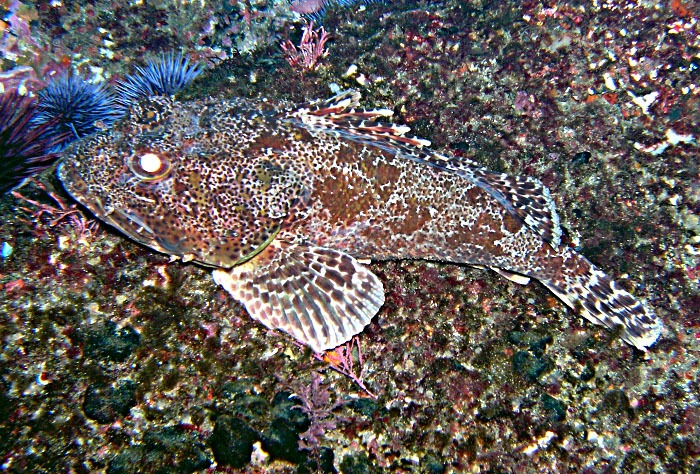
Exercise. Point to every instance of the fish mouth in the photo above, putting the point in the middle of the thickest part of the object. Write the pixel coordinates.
(135, 225)
(77, 187)
(122, 219)
(137, 229)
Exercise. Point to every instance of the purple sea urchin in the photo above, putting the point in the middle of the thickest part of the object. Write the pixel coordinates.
(166, 76)
(74, 107)
(24, 146)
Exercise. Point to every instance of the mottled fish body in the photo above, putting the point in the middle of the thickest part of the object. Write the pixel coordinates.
(287, 202)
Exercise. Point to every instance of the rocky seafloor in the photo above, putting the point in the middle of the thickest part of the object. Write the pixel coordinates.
(115, 360)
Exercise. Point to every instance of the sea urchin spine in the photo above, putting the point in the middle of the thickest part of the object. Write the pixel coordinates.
(24, 146)
(76, 107)
(164, 77)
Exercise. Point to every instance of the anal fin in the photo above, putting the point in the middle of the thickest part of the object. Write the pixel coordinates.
(321, 297)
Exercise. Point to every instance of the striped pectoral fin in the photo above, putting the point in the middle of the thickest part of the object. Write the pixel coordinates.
(320, 297)
(600, 300)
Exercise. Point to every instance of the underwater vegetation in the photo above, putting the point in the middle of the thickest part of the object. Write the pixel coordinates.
(73, 107)
(24, 146)
(310, 50)
(166, 76)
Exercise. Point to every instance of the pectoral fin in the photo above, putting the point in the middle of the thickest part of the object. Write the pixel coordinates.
(321, 297)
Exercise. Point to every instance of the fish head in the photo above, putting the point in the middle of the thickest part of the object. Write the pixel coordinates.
(180, 178)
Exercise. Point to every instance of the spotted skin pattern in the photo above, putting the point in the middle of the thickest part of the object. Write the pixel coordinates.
(285, 203)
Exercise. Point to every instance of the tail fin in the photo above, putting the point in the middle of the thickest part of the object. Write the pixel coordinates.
(588, 290)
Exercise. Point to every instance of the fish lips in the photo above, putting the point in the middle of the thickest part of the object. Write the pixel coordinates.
(77, 187)
(124, 220)
(69, 175)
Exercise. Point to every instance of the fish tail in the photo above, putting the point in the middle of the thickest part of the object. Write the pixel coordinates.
(589, 291)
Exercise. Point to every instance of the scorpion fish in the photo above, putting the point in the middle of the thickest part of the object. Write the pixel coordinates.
(289, 204)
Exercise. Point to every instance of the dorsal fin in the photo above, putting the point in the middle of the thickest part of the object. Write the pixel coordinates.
(342, 101)
(531, 202)
(525, 198)
(341, 115)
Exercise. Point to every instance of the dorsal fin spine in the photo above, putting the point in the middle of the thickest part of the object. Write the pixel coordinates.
(527, 199)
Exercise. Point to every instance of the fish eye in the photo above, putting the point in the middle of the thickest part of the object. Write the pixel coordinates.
(149, 166)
